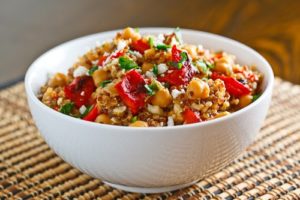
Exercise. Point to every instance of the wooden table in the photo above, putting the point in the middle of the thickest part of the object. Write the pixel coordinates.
(29, 27)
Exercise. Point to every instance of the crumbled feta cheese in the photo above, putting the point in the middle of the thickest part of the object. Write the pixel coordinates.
(162, 68)
(82, 109)
(137, 54)
(59, 101)
(119, 110)
(82, 93)
(121, 45)
(80, 71)
(150, 74)
(195, 68)
(154, 109)
(170, 121)
(95, 62)
(175, 93)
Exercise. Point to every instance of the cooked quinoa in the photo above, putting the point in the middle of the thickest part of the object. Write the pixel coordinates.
(146, 80)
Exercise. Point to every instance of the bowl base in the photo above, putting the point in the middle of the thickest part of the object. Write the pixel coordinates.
(150, 190)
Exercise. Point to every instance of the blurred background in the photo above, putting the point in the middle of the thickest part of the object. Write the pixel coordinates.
(30, 27)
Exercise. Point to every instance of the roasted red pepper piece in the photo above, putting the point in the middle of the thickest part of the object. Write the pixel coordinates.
(233, 87)
(80, 90)
(190, 116)
(92, 115)
(102, 60)
(132, 90)
(178, 77)
(140, 46)
(112, 56)
(176, 57)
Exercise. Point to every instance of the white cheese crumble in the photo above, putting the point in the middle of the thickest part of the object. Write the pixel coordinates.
(59, 101)
(82, 93)
(95, 62)
(80, 71)
(154, 109)
(82, 109)
(170, 121)
(150, 74)
(137, 54)
(175, 93)
(162, 68)
(121, 45)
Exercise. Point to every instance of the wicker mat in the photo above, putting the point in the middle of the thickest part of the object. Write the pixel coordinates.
(269, 169)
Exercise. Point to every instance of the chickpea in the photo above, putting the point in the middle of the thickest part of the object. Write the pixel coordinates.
(58, 79)
(197, 89)
(191, 49)
(245, 100)
(103, 119)
(162, 98)
(222, 114)
(146, 67)
(149, 54)
(224, 65)
(139, 123)
(99, 76)
(129, 33)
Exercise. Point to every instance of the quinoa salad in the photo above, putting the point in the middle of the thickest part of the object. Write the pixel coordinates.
(152, 80)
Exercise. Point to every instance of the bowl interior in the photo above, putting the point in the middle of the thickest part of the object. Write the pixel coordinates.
(60, 58)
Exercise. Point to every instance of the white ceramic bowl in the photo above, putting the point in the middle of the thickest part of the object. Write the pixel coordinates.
(147, 159)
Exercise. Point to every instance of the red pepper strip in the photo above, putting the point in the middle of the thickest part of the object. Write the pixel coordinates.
(176, 57)
(140, 46)
(80, 90)
(132, 91)
(178, 77)
(92, 115)
(112, 56)
(102, 60)
(233, 87)
(190, 116)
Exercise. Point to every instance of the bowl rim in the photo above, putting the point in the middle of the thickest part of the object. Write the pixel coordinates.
(268, 88)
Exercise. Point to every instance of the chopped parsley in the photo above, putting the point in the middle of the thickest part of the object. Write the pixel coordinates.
(162, 46)
(184, 57)
(67, 108)
(92, 70)
(151, 89)
(204, 66)
(151, 42)
(127, 64)
(104, 83)
(137, 30)
(133, 119)
(155, 70)
(255, 97)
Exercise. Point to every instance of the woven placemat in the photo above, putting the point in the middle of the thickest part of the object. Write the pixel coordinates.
(269, 169)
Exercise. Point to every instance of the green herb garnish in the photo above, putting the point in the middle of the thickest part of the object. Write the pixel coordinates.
(177, 34)
(87, 110)
(133, 119)
(67, 108)
(155, 70)
(210, 65)
(127, 64)
(151, 89)
(151, 42)
(137, 29)
(162, 46)
(184, 57)
(104, 83)
(91, 71)
(255, 97)
(202, 65)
